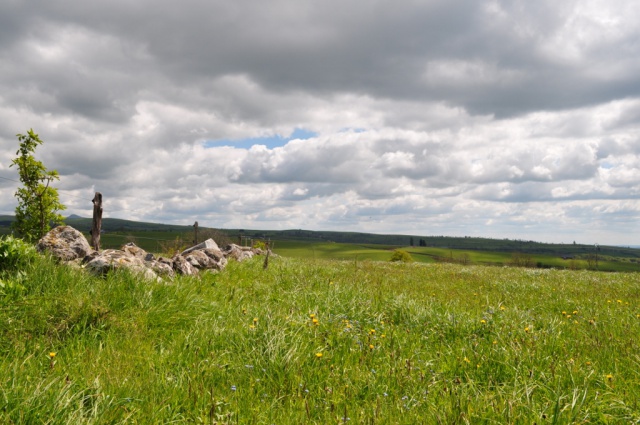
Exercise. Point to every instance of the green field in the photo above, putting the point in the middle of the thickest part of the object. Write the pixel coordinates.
(353, 252)
(319, 341)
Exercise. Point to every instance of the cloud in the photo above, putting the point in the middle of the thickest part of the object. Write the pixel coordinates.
(497, 118)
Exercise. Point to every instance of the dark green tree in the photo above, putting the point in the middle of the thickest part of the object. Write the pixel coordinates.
(38, 202)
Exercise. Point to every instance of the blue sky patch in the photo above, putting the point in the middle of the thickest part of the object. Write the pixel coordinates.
(269, 141)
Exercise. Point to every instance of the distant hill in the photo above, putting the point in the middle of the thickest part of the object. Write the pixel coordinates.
(120, 225)
(108, 225)
(6, 220)
(447, 242)
(113, 225)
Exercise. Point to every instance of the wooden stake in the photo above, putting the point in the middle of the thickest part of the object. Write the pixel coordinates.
(195, 227)
(97, 221)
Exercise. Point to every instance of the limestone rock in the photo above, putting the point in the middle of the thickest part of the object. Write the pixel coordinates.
(134, 250)
(238, 253)
(208, 244)
(199, 259)
(65, 243)
(182, 266)
(111, 259)
(161, 268)
(68, 244)
(207, 259)
(217, 256)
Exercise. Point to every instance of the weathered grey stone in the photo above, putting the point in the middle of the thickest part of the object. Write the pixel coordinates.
(207, 259)
(164, 260)
(134, 250)
(218, 258)
(65, 243)
(111, 259)
(237, 252)
(161, 268)
(182, 266)
(199, 260)
(214, 253)
(208, 244)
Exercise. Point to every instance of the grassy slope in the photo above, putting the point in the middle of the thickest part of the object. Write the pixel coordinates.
(314, 341)
(327, 250)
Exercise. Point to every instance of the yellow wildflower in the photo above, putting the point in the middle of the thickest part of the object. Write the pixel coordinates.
(318, 355)
(52, 354)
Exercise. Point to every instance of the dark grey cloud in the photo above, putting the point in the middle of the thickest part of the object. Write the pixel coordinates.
(501, 58)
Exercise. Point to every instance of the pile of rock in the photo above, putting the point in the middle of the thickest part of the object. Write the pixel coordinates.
(70, 246)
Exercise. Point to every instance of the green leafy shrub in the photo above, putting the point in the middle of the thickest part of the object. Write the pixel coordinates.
(259, 244)
(15, 253)
(401, 255)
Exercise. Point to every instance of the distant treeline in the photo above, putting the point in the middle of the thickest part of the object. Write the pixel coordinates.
(448, 242)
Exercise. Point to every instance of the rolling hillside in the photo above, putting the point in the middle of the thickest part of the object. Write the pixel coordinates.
(327, 244)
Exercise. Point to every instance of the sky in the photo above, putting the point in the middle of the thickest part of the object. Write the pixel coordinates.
(504, 119)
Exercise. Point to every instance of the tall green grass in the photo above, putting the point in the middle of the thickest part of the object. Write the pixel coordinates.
(315, 341)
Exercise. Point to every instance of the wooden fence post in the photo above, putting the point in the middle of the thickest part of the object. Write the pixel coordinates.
(97, 221)
(195, 227)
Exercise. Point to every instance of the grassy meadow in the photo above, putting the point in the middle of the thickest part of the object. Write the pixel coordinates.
(355, 252)
(320, 341)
